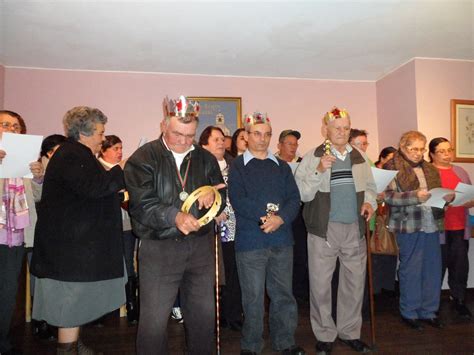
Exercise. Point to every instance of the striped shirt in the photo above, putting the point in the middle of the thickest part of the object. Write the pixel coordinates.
(343, 194)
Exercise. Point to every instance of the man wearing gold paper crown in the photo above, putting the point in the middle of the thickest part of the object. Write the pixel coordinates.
(265, 198)
(338, 189)
(176, 251)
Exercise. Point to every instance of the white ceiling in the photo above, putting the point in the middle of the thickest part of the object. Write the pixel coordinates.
(349, 40)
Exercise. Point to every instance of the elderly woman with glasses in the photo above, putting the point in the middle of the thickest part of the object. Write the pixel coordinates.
(17, 225)
(455, 240)
(78, 257)
(417, 228)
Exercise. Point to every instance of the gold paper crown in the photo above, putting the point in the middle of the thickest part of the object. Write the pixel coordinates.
(255, 118)
(181, 107)
(335, 113)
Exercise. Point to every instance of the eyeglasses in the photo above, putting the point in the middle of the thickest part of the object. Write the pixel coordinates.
(259, 135)
(444, 151)
(417, 150)
(362, 144)
(8, 125)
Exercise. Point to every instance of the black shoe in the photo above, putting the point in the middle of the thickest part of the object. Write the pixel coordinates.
(132, 301)
(413, 323)
(462, 309)
(357, 345)
(323, 348)
(42, 330)
(294, 350)
(12, 351)
(434, 322)
(247, 352)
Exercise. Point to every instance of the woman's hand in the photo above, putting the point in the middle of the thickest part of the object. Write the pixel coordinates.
(449, 198)
(2, 155)
(423, 195)
(221, 218)
(469, 204)
(37, 170)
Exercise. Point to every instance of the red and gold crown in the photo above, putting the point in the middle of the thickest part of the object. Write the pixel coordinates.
(335, 113)
(255, 118)
(181, 107)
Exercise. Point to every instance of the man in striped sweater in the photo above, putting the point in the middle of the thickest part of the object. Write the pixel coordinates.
(337, 187)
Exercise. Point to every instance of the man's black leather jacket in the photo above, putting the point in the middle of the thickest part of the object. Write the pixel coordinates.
(152, 181)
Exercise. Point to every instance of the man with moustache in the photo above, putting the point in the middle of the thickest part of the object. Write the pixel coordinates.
(265, 198)
(175, 252)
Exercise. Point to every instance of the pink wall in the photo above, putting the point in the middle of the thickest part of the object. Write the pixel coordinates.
(396, 104)
(437, 82)
(2, 85)
(132, 101)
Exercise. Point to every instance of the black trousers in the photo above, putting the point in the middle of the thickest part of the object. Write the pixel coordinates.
(129, 245)
(300, 259)
(455, 259)
(10, 268)
(231, 294)
(165, 267)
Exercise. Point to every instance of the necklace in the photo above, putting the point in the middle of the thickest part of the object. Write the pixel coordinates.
(183, 195)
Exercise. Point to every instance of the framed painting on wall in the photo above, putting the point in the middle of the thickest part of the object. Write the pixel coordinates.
(462, 130)
(222, 112)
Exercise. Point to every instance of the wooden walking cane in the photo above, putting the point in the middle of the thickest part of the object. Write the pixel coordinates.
(218, 330)
(371, 286)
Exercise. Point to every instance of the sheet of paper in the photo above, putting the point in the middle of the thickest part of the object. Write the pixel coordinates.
(460, 199)
(21, 149)
(464, 193)
(383, 177)
(436, 199)
(293, 167)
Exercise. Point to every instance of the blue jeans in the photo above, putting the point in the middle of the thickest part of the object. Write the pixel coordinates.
(419, 274)
(272, 267)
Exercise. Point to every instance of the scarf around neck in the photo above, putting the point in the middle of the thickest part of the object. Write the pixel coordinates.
(406, 177)
(14, 214)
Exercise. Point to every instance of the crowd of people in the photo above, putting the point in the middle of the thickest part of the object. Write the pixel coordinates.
(288, 226)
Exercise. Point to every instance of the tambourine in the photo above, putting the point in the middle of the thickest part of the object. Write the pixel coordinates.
(212, 212)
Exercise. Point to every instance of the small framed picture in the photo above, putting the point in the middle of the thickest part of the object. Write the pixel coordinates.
(222, 112)
(462, 130)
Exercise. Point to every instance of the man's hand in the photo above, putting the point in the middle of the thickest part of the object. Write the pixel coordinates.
(186, 223)
(423, 195)
(380, 196)
(207, 200)
(325, 163)
(37, 170)
(367, 211)
(271, 224)
(2, 155)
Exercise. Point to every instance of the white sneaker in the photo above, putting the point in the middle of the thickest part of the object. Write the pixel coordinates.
(176, 314)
